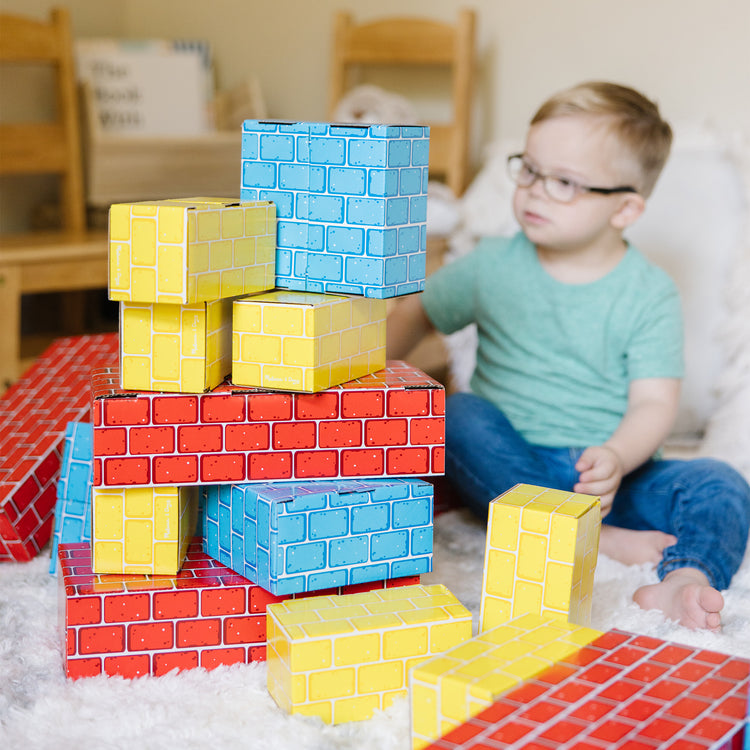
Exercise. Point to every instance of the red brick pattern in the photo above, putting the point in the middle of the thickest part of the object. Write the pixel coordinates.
(390, 423)
(622, 692)
(134, 625)
(33, 415)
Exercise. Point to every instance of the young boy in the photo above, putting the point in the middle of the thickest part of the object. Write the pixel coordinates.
(579, 354)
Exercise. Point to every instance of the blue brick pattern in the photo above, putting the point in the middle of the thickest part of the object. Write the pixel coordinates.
(292, 537)
(351, 203)
(73, 506)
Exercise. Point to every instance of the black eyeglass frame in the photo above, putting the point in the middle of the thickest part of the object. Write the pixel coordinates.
(578, 187)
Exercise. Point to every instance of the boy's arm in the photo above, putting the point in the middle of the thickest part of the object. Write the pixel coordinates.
(406, 326)
(651, 412)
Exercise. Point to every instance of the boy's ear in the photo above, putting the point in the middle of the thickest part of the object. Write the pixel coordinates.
(631, 207)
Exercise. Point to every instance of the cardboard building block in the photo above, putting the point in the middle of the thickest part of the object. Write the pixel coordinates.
(540, 555)
(34, 413)
(621, 692)
(303, 341)
(351, 202)
(73, 506)
(291, 537)
(343, 657)
(175, 348)
(447, 690)
(142, 529)
(390, 423)
(130, 626)
(190, 250)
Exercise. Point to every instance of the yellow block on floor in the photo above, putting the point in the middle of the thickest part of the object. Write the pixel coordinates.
(447, 690)
(304, 341)
(342, 657)
(175, 348)
(540, 555)
(191, 250)
(143, 530)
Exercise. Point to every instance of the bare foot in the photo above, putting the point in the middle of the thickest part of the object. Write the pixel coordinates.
(634, 547)
(684, 595)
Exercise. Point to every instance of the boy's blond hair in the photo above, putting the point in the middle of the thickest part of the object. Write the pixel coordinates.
(636, 122)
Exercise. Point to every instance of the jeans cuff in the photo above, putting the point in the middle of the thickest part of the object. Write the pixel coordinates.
(714, 575)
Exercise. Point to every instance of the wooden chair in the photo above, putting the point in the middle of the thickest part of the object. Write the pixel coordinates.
(416, 42)
(73, 258)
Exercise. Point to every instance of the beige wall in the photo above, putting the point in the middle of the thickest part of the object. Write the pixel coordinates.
(693, 56)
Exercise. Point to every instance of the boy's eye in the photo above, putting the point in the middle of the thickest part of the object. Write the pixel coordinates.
(564, 182)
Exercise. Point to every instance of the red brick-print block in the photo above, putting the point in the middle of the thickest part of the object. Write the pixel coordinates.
(510, 732)
(438, 401)
(111, 441)
(343, 433)
(657, 729)
(666, 690)
(244, 630)
(126, 608)
(362, 463)
(316, 464)
(179, 660)
(712, 688)
(260, 599)
(78, 668)
(540, 712)
(438, 460)
(126, 411)
(84, 610)
(101, 639)
(150, 636)
(714, 729)
(269, 407)
(647, 672)
(414, 403)
(228, 467)
(361, 405)
(121, 472)
(734, 669)
(386, 432)
(148, 440)
(427, 431)
(270, 466)
(175, 409)
(223, 409)
(247, 437)
(256, 653)
(128, 667)
(173, 605)
(621, 690)
(564, 731)
(324, 405)
(199, 438)
(205, 632)
(671, 654)
(217, 602)
(218, 657)
(688, 708)
(294, 435)
(691, 671)
(176, 469)
(408, 461)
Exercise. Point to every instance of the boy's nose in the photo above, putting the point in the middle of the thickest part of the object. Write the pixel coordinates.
(537, 188)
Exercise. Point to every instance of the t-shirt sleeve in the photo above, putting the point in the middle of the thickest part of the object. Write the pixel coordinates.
(656, 348)
(450, 294)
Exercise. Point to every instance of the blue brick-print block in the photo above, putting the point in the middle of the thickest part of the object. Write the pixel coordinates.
(328, 151)
(324, 267)
(383, 182)
(347, 181)
(328, 580)
(375, 517)
(417, 268)
(421, 541)
(420, 153)
(277, 147)
(408, 240)
(328, 524)
(346, 241)
(366, 211)
(292, 529)
(366, 573)
(354, 550)
(396, 270)
(368, 153)
(410, 181)
(396, 211)
(259, 175)
(326, 208)
(389, 545)
(412, 566)
(292, 234)
(365, 271)
(415, 512)
(399, 153)
(382, 242)
(418, 208)
(302, 558)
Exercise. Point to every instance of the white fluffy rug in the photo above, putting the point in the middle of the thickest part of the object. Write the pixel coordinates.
(229, 707)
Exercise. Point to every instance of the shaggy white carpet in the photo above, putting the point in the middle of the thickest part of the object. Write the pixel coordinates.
(229, 707)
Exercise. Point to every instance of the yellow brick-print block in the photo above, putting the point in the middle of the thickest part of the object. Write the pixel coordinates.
(342, 657)
(540, 555)
(142, 529)
(447, 690)
(307, 342)
(186, 251)
(175, 348)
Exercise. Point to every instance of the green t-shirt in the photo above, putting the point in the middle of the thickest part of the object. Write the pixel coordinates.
(557, 358)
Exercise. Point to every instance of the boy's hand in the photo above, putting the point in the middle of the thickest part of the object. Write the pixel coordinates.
(600, 473)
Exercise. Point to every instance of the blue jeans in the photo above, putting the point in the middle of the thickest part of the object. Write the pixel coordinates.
(703, 502)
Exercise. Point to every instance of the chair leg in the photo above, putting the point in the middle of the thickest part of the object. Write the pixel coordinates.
(10, 325)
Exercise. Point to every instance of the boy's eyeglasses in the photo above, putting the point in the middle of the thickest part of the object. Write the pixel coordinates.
(560, 189)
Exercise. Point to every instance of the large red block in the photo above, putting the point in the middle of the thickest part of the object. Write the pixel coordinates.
(130, 625)
(389, 423)
(33, 415)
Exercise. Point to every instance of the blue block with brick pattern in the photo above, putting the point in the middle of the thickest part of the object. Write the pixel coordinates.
(351, 203)
(292, 537)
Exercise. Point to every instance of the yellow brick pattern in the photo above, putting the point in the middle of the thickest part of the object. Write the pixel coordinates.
(175, 348)
(341, 657)
(449, 689)
(303, 341)
(191, 250)
(144, 530)
(540, 555)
